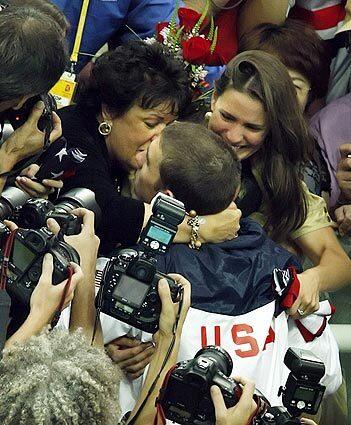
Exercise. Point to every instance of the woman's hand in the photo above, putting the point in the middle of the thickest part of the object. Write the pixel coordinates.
(34, 188)
(239, 414)
(46, 297)
(307, 301)
(169, 309)
(220, 227)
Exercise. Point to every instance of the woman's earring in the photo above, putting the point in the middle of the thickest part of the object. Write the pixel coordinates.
(208, 116)
(105, 128)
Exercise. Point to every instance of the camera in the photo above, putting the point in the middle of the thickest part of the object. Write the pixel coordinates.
(19, 117)
(128, 290)
(26, 256)
(186, 398)
(35, 212)
(302, 392)
(11, 200)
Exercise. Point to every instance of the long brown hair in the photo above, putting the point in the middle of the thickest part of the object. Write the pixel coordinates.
(287, 145)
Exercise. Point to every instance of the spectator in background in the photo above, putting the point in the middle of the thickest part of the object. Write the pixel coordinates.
(305, 56)
(124, 20)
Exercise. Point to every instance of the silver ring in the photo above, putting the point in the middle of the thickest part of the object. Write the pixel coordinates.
(300, 311)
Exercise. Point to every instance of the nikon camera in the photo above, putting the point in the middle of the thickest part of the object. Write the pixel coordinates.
(31, 243)
(26, 258)
(128, 290)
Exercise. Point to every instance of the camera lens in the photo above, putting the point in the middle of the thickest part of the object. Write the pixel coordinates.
(219, 356)
(141, 273)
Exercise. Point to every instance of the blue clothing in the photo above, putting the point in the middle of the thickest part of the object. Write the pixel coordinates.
(107, 17)
(232, 277)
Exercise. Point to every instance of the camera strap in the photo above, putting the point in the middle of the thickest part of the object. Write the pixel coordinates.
(169, 352)
(57, 314)
(5, 262)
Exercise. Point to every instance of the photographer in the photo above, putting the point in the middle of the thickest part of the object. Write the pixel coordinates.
(77, 383)
(33, 57)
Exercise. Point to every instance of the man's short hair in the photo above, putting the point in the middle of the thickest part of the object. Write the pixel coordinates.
(57, 378)
(33, 52)
(198, 167)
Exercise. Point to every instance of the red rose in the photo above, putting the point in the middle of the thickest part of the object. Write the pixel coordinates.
(196, 50)
(159, 28)
(188, 18)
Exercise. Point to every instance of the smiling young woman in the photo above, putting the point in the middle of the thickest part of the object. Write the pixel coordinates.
(255, 109)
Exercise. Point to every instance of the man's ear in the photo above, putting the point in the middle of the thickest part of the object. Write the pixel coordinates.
(214, 98)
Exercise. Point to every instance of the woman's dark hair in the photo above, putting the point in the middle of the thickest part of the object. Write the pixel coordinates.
(298, 46)
(136, 73)
(287, 144)
(33, 52)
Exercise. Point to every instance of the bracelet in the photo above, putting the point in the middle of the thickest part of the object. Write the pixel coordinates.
(194, 222)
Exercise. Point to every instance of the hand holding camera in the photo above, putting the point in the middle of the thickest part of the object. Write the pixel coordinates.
(242, 412)
(46, 297)
(28, 139)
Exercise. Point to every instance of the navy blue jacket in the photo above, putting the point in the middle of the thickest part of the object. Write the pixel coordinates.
(232, 277)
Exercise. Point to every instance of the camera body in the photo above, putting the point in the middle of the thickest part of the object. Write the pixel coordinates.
(19, 117)
(25, 261)
(278, 415)
(186, 398)
(128, 290)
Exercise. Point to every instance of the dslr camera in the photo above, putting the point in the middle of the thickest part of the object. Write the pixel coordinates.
(23, 255)
(302, 392)
(33, 213)
(186, 398)
(20, 116)
(128, 290)
(24, 262)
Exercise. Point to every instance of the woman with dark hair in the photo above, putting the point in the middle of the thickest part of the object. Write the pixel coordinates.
(132, 94)
(254, 108)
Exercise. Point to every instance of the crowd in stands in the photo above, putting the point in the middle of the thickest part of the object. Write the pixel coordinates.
(256, 146)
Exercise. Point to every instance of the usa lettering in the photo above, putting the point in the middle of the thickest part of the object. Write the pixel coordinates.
(245, 345)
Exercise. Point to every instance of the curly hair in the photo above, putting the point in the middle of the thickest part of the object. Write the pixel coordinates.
(136, 73)
(58, 378)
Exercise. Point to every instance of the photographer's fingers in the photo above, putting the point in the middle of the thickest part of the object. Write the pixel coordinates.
(87, 216)
(186, 286)
(11, 225)
(53, 226)
(47, 269)
(35, 114)
(165, 295)
(57, 130)
(219, 405)
(246, 406)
